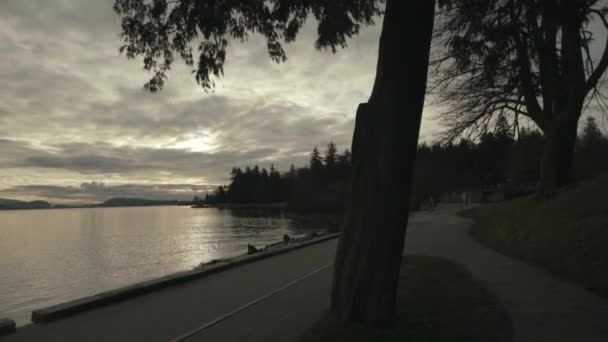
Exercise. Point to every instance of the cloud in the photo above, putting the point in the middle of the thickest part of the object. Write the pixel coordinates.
(126, 164)
(105, 159)
(72, 109)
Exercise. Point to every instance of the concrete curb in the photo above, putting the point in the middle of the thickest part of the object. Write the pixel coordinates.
(54, 312)
(7, 326)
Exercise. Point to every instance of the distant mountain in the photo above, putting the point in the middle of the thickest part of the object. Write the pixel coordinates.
(133, 202)
(73, 206)
(10, 204)
(7, 204)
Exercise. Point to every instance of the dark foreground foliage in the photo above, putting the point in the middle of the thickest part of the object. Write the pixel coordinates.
(437, 300)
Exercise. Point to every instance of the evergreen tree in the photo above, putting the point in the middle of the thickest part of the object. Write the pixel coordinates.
(264, 191)
(525, 154)
(275, 185)
(502, 129)
(344, 164)
(316, 164)
(292, 172)
(331, 155)
(220, 195)
(330, 158)
(494, 148)
(592, 151)
(236, 187)
(288, 183)
(591, 133)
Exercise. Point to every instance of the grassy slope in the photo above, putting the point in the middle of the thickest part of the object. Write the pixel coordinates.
(567, 235)
(437, 301)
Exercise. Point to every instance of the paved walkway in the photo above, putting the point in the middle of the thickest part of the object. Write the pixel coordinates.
(543, 307)
(171, 312)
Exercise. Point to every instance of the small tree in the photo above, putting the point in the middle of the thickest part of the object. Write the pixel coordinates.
(591, 134)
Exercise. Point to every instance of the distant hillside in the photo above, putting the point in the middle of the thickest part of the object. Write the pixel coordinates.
(134, 202)
(8, 204)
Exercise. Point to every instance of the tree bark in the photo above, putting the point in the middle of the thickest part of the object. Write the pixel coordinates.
(368, 259)
(558, 155)
(560, 133)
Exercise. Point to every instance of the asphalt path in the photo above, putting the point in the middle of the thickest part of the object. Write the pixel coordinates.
(542, 306)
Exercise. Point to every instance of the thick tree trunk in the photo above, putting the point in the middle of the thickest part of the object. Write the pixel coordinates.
(384, 147)
(566, 102)
(558, 155)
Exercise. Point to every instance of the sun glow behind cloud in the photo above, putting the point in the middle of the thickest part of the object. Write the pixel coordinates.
(201, 141)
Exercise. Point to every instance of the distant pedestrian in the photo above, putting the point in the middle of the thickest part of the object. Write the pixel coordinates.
(465, 198)
(435, 201)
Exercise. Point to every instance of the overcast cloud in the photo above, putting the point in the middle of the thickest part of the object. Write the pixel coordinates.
(76, 126)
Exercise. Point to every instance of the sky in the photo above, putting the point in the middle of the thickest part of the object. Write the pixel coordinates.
(76, 125)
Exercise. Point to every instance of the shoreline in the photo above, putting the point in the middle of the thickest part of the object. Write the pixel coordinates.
(104, 298)
(277, 205)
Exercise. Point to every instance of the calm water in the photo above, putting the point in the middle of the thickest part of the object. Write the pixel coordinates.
(50, 256)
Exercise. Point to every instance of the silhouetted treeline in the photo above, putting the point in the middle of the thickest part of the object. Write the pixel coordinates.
(320, 186)
(496, 159)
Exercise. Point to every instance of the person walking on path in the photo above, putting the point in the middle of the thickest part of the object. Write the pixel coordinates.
(465, 199)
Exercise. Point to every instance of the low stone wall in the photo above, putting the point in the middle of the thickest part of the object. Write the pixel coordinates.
(104, 298)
